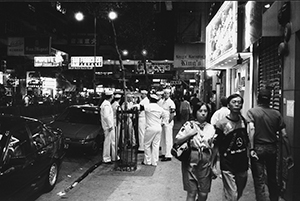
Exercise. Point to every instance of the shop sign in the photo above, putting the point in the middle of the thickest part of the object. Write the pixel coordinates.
(37, 45)
(15, 46)
(154, 67)
(49, 61)
(86, 63)
(20, 46)
(33, 79)
(189, 56)
(221, 34)
(175, 82)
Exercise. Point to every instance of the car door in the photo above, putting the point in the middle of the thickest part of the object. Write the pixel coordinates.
(17, 170)
(43, 146)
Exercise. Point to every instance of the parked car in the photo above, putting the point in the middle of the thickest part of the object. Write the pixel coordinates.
(30, 156)
(81, 127)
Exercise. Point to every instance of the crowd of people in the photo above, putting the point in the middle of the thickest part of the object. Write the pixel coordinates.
(223, 142)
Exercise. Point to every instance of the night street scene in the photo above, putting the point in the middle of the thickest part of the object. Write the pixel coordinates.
(149, 100)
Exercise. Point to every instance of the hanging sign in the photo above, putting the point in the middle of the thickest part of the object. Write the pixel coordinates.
(86, 63)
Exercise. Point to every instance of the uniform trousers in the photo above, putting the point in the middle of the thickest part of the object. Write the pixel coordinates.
(109, 151)
(142, 126)
(167, 139)
(151, 145)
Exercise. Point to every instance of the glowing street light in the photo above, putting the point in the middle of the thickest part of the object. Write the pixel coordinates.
(112, 15)
(144, 52)
(125, 52)
(79, 16)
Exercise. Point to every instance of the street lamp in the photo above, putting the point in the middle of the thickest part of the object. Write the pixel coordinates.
(79, 17)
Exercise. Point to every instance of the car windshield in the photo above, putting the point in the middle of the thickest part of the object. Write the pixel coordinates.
(80, 115)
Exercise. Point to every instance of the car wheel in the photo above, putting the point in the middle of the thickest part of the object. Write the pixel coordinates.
(51, 178)
(95, 146)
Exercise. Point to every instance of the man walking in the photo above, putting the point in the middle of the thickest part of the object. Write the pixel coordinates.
(167, 130)
(220, 113)
(232, 142)
(107, 121)
(142, 120)
(263, 150)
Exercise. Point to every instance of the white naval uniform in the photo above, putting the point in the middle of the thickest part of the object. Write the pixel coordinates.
(107, 121)
(154, 117)
(167, 129)
(115, 106)
(142, 124)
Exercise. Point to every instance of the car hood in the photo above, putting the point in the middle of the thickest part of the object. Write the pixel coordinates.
(75, 130)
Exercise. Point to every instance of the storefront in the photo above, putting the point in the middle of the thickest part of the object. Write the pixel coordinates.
(229, 38)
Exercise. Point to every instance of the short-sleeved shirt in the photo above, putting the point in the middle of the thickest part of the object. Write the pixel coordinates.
(169, 106)
(154, 115)
(232, 140)
(267, 122)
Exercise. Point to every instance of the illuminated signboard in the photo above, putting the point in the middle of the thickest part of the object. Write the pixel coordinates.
(221, 34)
(86, 63)
(154, 67)
(49, 61)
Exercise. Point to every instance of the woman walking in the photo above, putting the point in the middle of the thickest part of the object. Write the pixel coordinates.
(197, 169)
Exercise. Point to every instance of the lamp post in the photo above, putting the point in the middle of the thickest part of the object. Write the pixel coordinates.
(79, 17)
(112, 16)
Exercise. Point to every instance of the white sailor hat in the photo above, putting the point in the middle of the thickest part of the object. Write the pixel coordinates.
(118, 96)
(167, 90)
(144, 92)
(154, 96)
(109, 93)
(159, 93)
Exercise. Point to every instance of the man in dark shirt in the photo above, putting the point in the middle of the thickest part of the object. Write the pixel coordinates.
(232, 142)
(263, 146)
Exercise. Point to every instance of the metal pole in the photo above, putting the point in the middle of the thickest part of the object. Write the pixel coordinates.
(95, 54)
(121, 63)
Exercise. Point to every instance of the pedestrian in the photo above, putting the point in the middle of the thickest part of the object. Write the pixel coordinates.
(194, 100)
(154, 115)
(185, 109)
(129, 137)
(142, 120)
(197, 170)
(160, 96)
(107, 122)
(115, 106)
(232, 142)
(167, 130)
(264, 123)
(220, 113)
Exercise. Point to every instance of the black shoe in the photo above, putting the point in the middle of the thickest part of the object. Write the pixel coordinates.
(166, 159)
(140, 152)
(108, 163)
(161, 156)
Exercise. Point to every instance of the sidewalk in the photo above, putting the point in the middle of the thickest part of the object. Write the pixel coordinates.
(147, 183)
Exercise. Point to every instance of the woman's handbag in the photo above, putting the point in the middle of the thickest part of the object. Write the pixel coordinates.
(181, 151)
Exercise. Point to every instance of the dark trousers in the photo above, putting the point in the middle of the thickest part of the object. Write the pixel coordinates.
(264, 172)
